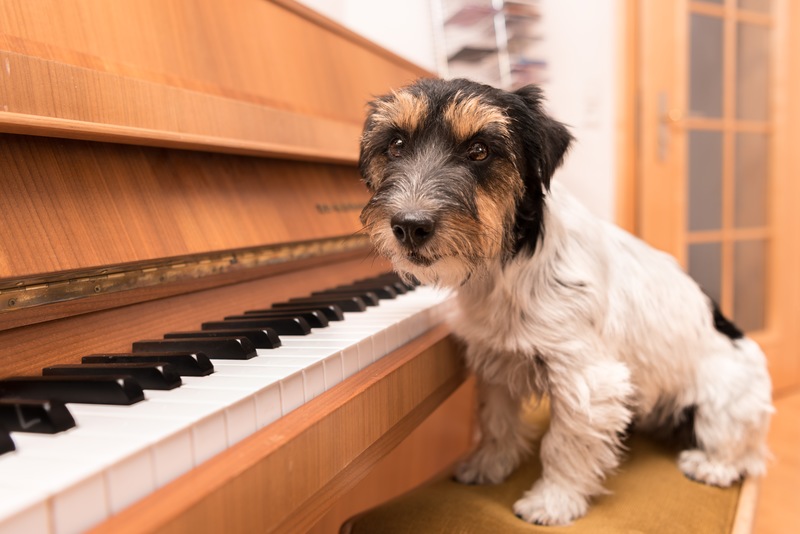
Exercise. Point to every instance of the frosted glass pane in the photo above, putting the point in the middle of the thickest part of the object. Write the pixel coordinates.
(705, 180)
(752, 72)
(705, 266)
(705, 66)
(751, 180)
(749, 291)
(762, 6)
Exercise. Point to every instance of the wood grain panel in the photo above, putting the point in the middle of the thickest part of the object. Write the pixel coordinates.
(283, 478)
(75, 204)
(43, 97)
(268, 54)
(428, 453)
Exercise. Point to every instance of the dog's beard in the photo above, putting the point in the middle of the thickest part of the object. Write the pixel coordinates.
(445, 263)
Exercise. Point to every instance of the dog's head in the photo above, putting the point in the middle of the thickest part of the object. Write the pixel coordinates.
(458, 172)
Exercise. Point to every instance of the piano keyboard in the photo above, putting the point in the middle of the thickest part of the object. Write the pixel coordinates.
(117, 454)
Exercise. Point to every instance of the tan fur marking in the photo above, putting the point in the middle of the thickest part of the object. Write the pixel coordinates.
(467, 116)
(492, 219)
(404, 111)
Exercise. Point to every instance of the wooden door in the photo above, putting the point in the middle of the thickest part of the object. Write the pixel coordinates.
(719, 171)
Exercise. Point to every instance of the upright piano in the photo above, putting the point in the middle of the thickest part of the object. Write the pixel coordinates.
(165, 165)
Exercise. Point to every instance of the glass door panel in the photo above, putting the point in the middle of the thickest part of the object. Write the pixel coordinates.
(705, 64)
(727, 156)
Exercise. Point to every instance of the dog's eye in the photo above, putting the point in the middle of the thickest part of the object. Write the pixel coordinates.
(396, 147)
(478, 152)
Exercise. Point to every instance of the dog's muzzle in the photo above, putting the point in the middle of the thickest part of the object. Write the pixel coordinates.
(413, 229)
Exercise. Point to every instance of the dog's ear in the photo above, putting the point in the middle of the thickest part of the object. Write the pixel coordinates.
(545, 140)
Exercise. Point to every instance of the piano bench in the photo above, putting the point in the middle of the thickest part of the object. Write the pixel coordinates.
(648, 494)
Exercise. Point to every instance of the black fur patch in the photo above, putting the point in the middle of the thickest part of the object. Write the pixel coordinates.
(677, 431)
(544, 145)
(725, 326)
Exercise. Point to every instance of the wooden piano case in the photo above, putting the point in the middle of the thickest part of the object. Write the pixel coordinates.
(167, 161)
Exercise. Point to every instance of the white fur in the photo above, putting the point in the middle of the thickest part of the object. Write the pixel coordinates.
(610, 329)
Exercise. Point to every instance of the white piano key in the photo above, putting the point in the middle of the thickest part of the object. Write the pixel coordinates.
(130, 472)
(67, 483)
(209, 438)
(130, 480)
(268, 405)
(171, 437)
(172, 457)
(318, 338)
(318, 341)
(350, 361)
(149, 410)
(366, 352)
(23, 510)
(70, 512)
(319, 352)
(292, 392)
(297, 362)
(240, 420)
(334, 372)
(313, 380)
(242, 383)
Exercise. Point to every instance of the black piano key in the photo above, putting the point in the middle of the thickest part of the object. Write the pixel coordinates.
(149, 375)
(289, 327)
(383, 291)
(6, 443)
(219, 348)
(82, 389)
(398, 287)
(31, 415)
(332, 312)
(261, 338)
(185, 363)
(348, 304)
(369, 298)
(393, 278)
(315, 319)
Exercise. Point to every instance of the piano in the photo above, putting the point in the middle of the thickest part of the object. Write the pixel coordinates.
(179, 191)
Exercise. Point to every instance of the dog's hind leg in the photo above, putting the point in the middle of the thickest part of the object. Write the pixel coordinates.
(589, 415)
(732, 417)
(504, 438)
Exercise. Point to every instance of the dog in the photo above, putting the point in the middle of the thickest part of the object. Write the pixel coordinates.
(553, 301)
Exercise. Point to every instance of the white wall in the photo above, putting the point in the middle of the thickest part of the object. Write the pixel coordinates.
(402, 26)
(580, 40)
(580, 48)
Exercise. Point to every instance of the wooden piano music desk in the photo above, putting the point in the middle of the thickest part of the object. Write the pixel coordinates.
(166, 162)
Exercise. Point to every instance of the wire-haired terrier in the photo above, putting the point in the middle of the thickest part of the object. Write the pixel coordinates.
(553, 301)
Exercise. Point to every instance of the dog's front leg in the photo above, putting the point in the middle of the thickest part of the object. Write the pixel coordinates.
(504, 440)
(589, 414)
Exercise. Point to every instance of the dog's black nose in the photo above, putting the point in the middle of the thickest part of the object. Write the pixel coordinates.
(413, 228)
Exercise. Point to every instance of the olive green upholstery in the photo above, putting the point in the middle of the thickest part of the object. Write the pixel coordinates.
(648, 494)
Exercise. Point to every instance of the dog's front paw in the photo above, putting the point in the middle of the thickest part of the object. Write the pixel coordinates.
(487, 465)
(696, 465)
(549, 504)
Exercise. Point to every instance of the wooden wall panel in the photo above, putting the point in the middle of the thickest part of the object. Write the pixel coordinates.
(76, 204)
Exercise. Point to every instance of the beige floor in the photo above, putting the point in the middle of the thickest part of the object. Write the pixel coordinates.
(778, 510)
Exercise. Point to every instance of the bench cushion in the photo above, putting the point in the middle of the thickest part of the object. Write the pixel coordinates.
(648, 494)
